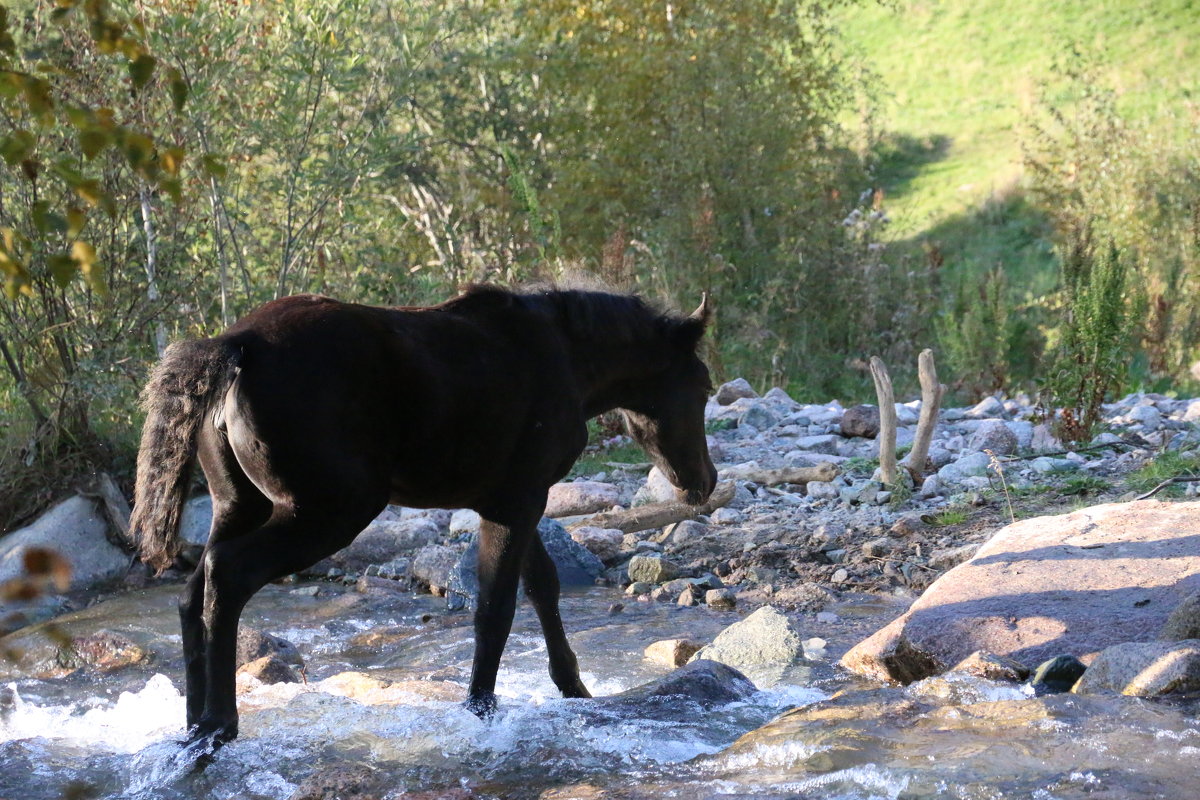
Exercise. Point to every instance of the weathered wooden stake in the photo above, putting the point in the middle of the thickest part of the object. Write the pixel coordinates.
(887, 421)
(931, 403)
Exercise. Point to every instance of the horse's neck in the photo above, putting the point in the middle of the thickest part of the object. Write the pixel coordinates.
(609, 378)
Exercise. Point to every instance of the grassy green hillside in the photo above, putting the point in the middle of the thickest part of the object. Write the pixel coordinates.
(959, 76)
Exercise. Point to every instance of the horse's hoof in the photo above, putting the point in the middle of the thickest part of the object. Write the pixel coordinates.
(205, 738)
(482, 705)
(576, 691)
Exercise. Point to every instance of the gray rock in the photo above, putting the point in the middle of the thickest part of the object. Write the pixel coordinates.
(951, 557)
(826, 443)
(727, 516)
(1144, 669)
(969, 465)
(269, 669)
(657, 489)
(765, 638)
(672, 652)
(575, 565)
(580, 497)
(1184, 621)
(1050, 466)
(779, 397)
(1023, 430)
(1044, 440)
(720, 599)
(689, 530)
(464, 522)
(651, 569)
(992, 667)
(194, 526)
(75, 529)
(1146, 416)
(823, 490)
(758, 416)
(433, 564)
(735, 390)
(253, 644)
(381, 542)
(987, 407)
(603, 543)
(1075, 583)
(1057, 675)
(861, 421)
(683, 695)
(994, 435)
(906, 414)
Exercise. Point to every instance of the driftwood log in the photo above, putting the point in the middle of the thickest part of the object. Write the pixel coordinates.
(887, 421)
(656, 515)
(825, 471)
(116, 507)
(931, 404)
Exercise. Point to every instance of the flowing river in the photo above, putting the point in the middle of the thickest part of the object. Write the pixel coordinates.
(809, 731)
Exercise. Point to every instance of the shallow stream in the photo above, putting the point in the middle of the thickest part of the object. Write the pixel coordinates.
(114, 735)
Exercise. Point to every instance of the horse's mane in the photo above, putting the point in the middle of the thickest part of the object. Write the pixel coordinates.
(582, 314)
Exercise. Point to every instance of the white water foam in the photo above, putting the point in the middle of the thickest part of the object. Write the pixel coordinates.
(135, 720)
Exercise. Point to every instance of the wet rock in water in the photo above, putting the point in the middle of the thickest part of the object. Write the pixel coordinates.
(345, 781)
(105, 651)
(1144, 669)
(580, 497)
(720, 599)
(672, 652)
(689, 597)
(639, 587)
(1057, 675)
(253, 644)
(651, 569)
(809, 597)
(992, 667)
(1184, 621)
(861, 421)
(75, 529)
(576, 566)
(994, 435)
(604, 543)
(433, 564)
(384, 541)
(734, 390)
(269, 669)
(1075, 583)
(699, 686)
(766, 637)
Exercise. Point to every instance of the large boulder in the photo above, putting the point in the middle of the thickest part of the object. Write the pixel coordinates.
(75, 529)
(580, 497)
(385, 540)
(575, 564)
(1144, 669)
(861, 421)
(1075, 583)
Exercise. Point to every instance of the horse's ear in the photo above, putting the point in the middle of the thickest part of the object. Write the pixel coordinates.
(703, 313)
(691, 328)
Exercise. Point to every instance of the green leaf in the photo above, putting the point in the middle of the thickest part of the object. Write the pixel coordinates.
(93, 141)
(62, 268)
(45, 219)
(141, 69)
(213, 165)
(179, 89)
(139, 149)
(17, 146)
(89, 266)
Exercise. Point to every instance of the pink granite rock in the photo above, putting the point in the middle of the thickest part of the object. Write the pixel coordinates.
(1070, 584)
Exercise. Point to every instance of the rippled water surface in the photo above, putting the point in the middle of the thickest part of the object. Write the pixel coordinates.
(115, 735)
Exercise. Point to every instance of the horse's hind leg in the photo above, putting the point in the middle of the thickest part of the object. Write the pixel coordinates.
(236, 568)
(238, 508)
(541, 585)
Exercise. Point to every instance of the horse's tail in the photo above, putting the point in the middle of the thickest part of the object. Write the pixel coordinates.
(180, 391)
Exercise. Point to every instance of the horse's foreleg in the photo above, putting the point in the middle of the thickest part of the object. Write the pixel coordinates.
(541, 585)
(502, 549)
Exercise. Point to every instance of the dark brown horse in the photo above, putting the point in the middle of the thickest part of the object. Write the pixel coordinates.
(310, 415)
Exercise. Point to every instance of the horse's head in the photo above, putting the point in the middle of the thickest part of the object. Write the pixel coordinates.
(668, 418)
